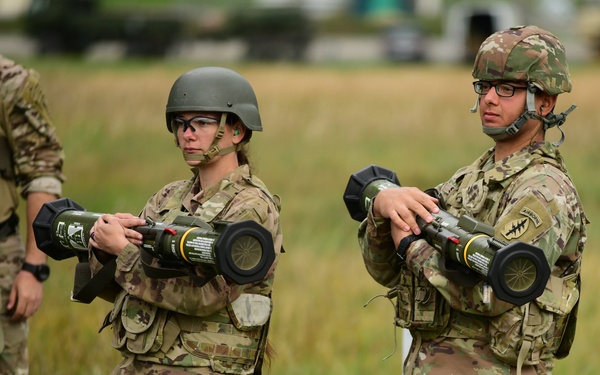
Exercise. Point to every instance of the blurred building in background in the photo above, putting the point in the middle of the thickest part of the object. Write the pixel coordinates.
(453, 30)
(292, 30)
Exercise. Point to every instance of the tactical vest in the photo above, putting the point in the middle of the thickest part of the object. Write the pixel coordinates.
(228, 341)
(547, 325)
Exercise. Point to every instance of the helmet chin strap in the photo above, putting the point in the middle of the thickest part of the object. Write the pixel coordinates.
(214, 150)
(549, 121)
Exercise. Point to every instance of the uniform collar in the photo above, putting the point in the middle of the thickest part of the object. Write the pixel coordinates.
(240, 173)
(506, 168)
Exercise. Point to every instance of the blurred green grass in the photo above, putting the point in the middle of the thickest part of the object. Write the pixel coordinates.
(322, 123)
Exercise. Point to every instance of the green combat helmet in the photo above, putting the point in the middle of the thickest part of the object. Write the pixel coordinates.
(214, 89)
(530, 54)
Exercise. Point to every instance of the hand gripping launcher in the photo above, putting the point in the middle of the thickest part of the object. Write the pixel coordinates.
(517, 271)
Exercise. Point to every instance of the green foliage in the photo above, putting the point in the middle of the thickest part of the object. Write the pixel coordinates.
(321, 124)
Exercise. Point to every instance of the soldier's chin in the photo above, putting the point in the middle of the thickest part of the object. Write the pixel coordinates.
(193, 160)
(496, 133)
(193, 163)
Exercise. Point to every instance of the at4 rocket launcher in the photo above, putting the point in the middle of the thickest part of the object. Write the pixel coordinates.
(241, 251)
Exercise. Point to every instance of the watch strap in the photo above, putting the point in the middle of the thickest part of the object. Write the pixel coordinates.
(404, 244)
(34, 269)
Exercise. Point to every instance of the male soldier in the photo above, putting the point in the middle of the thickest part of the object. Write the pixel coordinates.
(31, 159)
(520, 187)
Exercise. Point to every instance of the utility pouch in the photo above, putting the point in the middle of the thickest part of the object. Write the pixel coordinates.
(569, 334)
(419, 305)
(527, 334)
(250, 311)
(518, 335)
(139, 326)
(229, 350)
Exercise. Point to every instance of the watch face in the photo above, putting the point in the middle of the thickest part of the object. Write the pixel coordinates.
(43, 272)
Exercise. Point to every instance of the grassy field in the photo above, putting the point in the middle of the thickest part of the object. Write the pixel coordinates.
(321, 125)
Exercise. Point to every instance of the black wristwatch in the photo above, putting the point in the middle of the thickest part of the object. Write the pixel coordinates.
(404, 244)
(40, 271)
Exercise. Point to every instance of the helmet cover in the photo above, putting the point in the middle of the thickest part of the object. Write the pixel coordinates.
(524, 53)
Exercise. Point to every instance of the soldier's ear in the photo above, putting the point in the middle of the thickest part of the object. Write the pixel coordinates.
(238, 134)
(548, 103)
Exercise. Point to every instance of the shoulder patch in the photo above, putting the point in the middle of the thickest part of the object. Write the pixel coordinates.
(525, 221)
(515, 228)
(532, 215)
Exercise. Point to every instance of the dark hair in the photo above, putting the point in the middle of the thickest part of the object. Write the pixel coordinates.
(242, 156)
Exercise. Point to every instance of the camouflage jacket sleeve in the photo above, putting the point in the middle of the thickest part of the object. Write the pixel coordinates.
(179, 293)
(37, 151)
(378, 251)
(542, 209)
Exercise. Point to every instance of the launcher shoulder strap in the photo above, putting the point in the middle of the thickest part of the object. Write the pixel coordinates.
(86, 288)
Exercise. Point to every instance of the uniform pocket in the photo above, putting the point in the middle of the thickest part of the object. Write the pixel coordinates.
(250, 311)
(419, 305)
(535, 330)
(138, 326)
(222, 343)
(521, 332)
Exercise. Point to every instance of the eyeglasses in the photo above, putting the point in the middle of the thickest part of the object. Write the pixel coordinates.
(504, 90)
(193, 123)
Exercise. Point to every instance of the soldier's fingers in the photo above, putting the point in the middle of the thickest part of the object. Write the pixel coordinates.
(134, 236)
(31, 309)
(431, 204)
(424, 214)
(399, 223)
(107, 218)
(121, 215)
(132, 222)
(405, 220)
(19, 312)
(12, 298)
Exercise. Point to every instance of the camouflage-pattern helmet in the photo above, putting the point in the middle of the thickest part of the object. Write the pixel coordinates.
(524, 53)
(214, 89)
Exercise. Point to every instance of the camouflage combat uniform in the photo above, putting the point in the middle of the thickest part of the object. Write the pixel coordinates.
(31, 160)
(169, 325)
(460, 329)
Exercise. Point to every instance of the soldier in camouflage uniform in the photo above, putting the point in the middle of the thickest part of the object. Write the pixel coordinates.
(170, 325)
(31, 160)
(520, 187)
